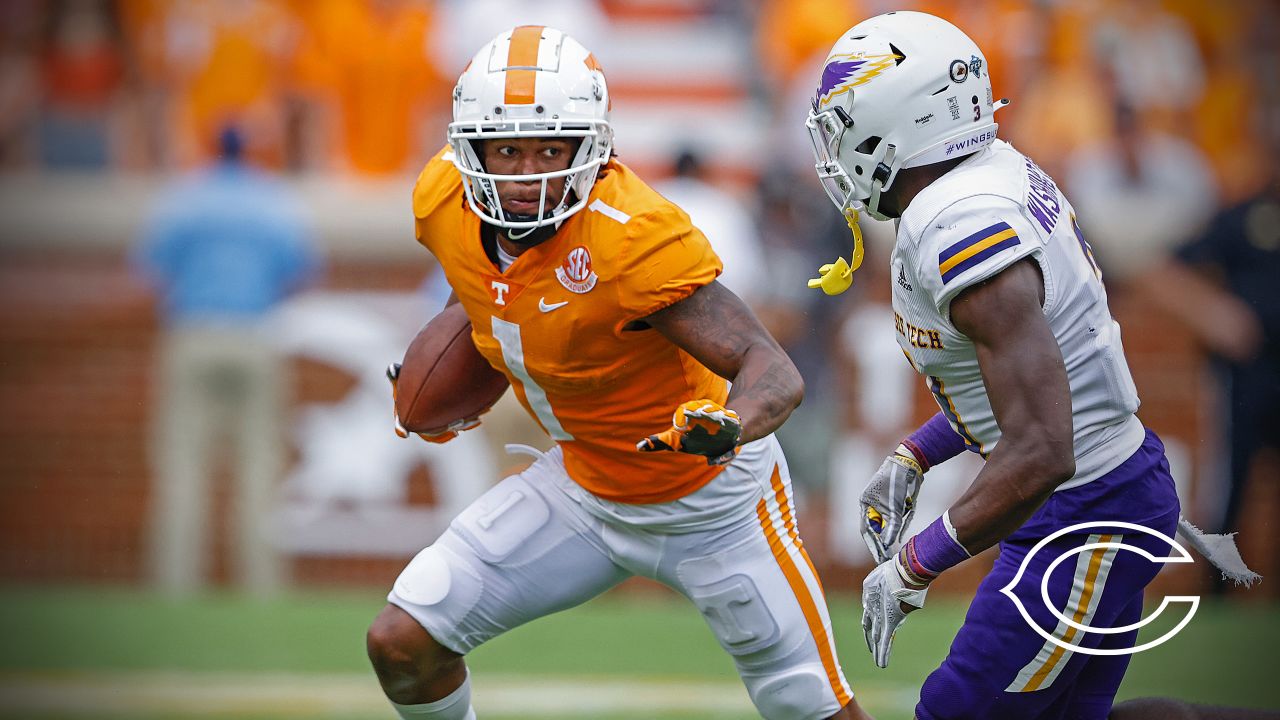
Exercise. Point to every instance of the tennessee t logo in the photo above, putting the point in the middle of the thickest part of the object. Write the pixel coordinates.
(499, 291)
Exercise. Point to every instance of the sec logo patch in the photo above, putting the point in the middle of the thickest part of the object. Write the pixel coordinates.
(575, 273)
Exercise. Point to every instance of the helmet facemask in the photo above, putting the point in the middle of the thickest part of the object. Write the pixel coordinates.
(853, 176)
(481, 186)
(891, 96)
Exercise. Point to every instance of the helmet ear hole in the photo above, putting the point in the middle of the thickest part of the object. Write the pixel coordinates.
(868, 146)
(857, 169)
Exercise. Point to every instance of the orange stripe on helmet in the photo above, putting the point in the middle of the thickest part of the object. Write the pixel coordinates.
(593, 64)
(522, 57)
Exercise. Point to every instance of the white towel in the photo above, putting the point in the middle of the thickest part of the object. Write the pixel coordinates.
(1220, 551)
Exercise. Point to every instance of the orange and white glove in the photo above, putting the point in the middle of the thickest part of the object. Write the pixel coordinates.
(449, 433)
(699, 427)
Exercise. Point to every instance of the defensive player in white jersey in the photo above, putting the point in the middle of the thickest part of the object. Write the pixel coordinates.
(998, 302)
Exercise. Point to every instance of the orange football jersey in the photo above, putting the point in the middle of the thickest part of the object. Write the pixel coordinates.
(554, 324)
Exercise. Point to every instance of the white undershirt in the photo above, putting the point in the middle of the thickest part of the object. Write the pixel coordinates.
(504, 259)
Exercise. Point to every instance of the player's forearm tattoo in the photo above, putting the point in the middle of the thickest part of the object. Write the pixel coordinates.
(773, 392)
(718, 329)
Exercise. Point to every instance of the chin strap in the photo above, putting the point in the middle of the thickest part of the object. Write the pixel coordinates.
(834, 278)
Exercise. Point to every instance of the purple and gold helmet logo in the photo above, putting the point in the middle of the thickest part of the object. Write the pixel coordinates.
(842, 73)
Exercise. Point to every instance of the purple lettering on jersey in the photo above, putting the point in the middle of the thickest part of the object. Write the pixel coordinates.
(1041, 213)
(1042, 197)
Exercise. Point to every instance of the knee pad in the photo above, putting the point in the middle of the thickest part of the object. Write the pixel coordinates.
(801, 693)
(427, 579)
(439, 591)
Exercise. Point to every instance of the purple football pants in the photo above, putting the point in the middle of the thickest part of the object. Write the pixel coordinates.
(998, 667)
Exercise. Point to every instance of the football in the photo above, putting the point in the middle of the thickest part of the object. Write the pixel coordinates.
(443, 378)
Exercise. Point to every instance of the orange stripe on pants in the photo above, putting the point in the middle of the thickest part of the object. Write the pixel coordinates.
(523, 57)
(788, 521)
(807, 604)
(1091, 575)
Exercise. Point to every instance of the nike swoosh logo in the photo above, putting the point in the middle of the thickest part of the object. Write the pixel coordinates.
(545, 307)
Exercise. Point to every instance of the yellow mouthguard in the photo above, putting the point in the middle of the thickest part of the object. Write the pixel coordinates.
(834, 278)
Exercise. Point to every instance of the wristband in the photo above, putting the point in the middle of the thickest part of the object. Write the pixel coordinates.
(930, 552)
(934, 442)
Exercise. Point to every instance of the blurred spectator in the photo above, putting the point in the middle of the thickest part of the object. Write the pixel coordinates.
(1065, 102)
(225, 62)
(727, 223)
(223, 249)
(1242, 46)
(1139, 195)
(793, 37)
(368, 65)
(82, 67)
(1225, 286)
(1154, 59)
(19, 81)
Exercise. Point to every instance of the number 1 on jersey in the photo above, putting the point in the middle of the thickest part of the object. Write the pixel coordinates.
(508, 336)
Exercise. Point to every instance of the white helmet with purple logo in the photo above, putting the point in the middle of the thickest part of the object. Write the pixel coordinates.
(899, 90)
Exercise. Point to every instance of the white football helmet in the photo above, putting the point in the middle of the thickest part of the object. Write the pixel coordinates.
(531, 81)
(897, 91)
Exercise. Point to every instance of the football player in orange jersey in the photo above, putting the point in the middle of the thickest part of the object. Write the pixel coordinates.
(598, 299)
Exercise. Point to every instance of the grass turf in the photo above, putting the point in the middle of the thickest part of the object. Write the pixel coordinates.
(1226, 655)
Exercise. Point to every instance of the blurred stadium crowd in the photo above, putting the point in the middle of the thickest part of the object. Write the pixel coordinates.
(1160, 119)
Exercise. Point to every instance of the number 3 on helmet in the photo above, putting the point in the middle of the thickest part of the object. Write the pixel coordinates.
(900, 90)
(531, 81)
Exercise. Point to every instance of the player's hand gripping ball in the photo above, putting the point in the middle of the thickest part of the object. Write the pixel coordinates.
(443, 384)
(699, 427)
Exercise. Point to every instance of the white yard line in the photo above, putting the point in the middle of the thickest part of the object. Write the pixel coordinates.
(190, 694)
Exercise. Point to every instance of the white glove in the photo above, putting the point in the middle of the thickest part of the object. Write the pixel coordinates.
(884, 592)
(889, 502)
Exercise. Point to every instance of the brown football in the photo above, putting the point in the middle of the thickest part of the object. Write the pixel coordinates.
(443, 378)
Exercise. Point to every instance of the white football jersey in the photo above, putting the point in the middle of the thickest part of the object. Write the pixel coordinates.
(995, 208)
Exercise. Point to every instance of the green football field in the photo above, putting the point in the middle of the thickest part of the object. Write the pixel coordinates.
(92, 653)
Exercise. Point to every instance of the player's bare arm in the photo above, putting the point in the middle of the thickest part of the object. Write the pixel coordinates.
(720, 331)
(1026, 382)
